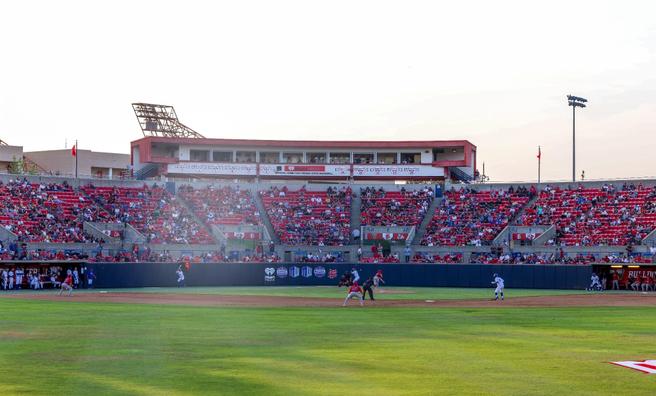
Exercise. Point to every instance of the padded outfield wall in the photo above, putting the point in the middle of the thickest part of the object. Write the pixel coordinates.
(121, 275)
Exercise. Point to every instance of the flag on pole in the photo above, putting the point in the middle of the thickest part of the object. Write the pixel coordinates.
(74, 150)
(539, 153)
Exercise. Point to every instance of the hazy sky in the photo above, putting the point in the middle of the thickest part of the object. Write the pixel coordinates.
(492, 72)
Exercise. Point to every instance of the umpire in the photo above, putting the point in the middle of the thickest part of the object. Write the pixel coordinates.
(368, 286)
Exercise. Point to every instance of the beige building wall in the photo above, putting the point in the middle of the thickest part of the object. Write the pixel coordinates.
(90, 163)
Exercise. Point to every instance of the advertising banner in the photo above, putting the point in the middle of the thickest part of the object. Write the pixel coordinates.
(304, 170)
(397, 170)
(212, 168)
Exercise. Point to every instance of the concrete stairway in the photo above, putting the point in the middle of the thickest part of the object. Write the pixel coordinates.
(421, 230)
(211, 231)
(356, 207)
(265, 217)
(513, 220)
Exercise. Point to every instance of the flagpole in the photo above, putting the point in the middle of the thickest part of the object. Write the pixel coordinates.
(76, 154)
(539, 162)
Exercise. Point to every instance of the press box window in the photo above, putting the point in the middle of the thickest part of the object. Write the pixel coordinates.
(199, 155)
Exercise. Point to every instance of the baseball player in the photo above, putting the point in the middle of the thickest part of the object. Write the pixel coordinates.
(345, 280)
(11, 279)
(595, 285)
(76, 279)
(19, 277)
(368, 286)
(355, 291)
(91, 276)
(67, 285)
(181, 276)
(646, 282)
(5, 279)
(616, 281)
(355, 275)
(378, 278)
(499, 290)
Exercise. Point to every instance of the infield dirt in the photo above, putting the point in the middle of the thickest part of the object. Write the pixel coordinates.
(575, 300)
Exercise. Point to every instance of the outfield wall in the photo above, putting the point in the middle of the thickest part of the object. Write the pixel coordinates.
(121, 275)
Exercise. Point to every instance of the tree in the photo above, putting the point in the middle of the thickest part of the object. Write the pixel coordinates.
(21, 167)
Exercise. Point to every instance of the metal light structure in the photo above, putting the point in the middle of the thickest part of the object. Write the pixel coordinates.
(161, 120)
(574, 102)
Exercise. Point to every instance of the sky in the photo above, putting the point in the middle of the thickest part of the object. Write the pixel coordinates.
(494, 73)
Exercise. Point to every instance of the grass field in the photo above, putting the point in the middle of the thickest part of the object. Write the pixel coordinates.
(70, 347)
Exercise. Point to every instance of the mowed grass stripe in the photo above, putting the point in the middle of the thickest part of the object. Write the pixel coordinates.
(394, 293)
(147, 349)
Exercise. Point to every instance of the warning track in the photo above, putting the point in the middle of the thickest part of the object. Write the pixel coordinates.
(574, 300)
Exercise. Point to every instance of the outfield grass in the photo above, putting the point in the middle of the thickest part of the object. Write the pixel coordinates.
(404, 293)
(100, 348)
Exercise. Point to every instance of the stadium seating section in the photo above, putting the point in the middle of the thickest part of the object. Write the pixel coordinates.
(309, 217)
(222, 205)
(152, 211)
(582, 216)
(394, 208)
(469, 217)
(52, 213)
(594, 217)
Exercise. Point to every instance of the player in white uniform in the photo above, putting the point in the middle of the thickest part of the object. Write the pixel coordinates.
(19, 278)
(595, 285)
(499, 290)
(181, 277)
(11, 279)
(355, 276)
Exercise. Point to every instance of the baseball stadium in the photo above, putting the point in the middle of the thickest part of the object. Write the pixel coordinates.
(198, 265)
(305, 197)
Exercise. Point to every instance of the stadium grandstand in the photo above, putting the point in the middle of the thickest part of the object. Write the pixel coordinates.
(200, 199)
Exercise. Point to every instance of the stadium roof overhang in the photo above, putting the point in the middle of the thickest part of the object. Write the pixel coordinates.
(327, 144)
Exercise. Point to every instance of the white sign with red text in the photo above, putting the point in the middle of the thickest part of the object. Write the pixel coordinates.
(212, 168)
(397, 170)
(304, 170)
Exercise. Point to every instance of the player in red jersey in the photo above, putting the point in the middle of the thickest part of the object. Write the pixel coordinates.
(616, 281)
(67, 284)
(355, 291)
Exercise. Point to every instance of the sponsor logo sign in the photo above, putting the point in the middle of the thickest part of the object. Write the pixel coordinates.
(646, 366)
(332, 273)
(282, 272)
(306, 271)
(269, 274)
(319, 272)
(388, 236)
(294, 271)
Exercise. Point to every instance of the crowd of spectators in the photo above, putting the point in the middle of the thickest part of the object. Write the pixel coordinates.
(557, 258)
(320, 257)
(153, 211)
(51, 213)
(474, 218)
(425, 257)
(394, 208)
(302, 217)
(604, 216)
(227, 205)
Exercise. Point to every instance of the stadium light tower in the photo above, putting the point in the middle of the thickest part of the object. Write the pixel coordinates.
(161, 120)
(575, 102)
